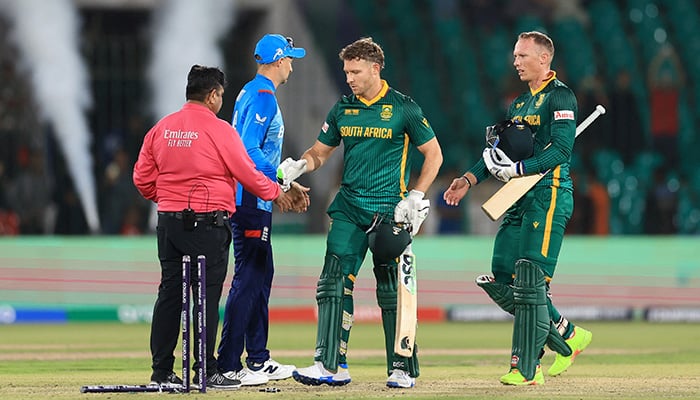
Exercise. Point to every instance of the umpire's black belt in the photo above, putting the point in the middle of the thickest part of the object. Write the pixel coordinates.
(217, 217)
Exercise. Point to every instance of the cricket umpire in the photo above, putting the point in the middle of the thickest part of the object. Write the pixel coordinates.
(529, 239)
(189, 164)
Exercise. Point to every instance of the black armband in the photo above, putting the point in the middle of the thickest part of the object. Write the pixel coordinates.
(466, 179)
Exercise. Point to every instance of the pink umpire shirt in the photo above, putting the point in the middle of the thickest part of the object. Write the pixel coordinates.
(193, 158)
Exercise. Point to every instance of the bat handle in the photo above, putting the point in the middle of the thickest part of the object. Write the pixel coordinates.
(599, 110)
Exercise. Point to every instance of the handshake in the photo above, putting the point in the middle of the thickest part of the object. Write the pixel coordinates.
(288, 171)
(295, 197)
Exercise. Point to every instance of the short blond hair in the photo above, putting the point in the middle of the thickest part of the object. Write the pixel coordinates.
(363, 49)
(540, 39)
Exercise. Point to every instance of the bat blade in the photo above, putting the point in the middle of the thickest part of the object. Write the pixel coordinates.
(508, 194)
(407, 304)
(516, 188)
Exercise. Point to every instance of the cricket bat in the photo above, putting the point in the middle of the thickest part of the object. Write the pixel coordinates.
(516, 188)
(407, 304)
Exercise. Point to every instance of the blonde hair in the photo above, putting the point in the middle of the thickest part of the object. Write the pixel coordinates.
(363, 49)
(540, 39)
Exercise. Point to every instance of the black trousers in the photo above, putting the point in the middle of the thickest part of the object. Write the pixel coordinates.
(211, 238)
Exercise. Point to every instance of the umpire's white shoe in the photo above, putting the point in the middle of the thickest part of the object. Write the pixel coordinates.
(400, 379)
(248, 377)
(273, 370)
(318, 375)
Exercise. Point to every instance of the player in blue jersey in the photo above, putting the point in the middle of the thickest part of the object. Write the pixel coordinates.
(258, 119)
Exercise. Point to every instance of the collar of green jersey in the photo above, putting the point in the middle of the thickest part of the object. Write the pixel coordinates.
(382, 93)
(545, 83)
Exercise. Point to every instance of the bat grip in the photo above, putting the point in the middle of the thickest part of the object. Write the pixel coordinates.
(599, 110)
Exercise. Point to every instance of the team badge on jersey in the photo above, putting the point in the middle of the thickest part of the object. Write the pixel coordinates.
(539, 101)
(387, 112)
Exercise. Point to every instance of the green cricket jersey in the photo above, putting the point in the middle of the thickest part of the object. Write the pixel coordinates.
(376, 135)
(551, 111)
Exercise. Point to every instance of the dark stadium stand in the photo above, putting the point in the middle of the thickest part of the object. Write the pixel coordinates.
(618, 36)
(454, 58)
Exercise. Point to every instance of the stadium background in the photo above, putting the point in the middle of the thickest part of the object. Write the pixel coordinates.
(452, 56)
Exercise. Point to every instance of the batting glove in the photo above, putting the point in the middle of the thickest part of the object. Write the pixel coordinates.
(500, 166)
(288, 171)
(420, 215)
(412, 210)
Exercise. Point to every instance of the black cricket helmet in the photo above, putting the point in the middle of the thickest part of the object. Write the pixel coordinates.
(515, 138)
(386, 238)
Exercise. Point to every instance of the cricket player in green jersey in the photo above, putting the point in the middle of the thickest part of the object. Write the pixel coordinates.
(377, 126)
(529, 238)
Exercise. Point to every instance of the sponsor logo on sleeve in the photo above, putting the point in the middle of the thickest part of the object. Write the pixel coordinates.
(563, 114)
(324, 127)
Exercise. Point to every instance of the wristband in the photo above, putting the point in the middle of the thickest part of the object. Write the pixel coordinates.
(466, 179)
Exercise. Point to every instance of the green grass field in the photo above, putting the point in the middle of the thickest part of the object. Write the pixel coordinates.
(632, 360)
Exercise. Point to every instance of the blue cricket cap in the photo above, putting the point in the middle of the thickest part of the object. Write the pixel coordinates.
(272, 47)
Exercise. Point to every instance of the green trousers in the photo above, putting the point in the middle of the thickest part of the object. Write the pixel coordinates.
(533, 229)
(347, 243)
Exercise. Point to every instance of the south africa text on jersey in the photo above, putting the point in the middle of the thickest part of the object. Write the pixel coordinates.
(366, 131)
(180, 138)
